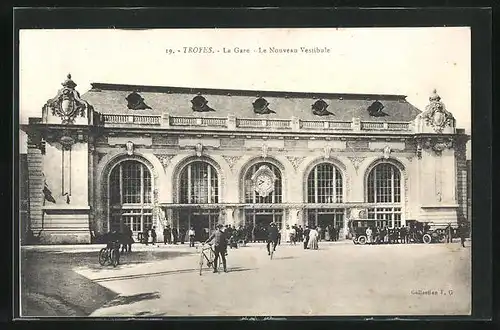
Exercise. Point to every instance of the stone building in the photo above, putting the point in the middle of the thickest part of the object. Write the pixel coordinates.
(145, 156)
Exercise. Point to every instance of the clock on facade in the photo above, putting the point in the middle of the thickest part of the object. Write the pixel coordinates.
(263, 181)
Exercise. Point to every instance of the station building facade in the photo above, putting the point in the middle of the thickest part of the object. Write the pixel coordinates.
(141, 156)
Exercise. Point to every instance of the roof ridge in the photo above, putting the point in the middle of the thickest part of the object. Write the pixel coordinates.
(241, 92)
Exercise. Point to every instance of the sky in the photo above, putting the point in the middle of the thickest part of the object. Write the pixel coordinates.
(408, 61)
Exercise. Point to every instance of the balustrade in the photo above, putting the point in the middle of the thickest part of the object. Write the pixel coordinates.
(320, 125)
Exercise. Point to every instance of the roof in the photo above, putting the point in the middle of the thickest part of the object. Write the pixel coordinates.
(112, 99)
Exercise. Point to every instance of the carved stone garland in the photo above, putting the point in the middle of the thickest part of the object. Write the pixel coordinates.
(164, 159)
(356, 162)
(232, 160)
(295, 161)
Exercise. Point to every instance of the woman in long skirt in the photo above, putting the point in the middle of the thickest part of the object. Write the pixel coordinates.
(313, 239)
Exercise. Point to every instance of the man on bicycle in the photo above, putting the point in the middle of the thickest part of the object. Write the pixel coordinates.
(272, 237)
(219, 240)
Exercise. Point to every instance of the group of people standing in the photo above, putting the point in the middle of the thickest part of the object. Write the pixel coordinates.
(297, 233)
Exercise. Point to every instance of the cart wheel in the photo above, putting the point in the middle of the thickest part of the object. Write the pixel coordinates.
(427, 238)
(362, 240)
(103, 257)
(355, 241)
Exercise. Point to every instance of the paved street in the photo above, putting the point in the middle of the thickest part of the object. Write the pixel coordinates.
(338, 279)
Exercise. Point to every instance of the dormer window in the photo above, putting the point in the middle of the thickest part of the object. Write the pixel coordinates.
(200, 104)
(261, 106)
(319, 108)
(375, 109)
(136, 102)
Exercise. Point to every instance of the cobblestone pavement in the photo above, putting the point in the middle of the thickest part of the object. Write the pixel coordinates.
(338, 279)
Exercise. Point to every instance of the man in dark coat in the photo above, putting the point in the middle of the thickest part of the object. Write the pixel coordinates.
(219, 241)
(306, 237)
(449, 236)
(153, 235)
(145, 236)
(272, 237)
(167, 232)
(462, 232)
(175, 235)
(128, 239)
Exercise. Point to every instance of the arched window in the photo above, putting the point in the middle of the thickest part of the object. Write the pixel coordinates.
(199, 184)
(324, 184)
(252, 194)
(384, 186)
(263, 185)
(130, 196)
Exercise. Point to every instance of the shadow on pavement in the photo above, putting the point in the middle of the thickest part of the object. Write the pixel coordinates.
(50, 274)
(127, 300)
(48, 285)
(284, 258)
(164, 273)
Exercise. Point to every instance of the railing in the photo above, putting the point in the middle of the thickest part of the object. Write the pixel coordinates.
(339, 125)
(313, 124)
(182, 121)
(116, 119)
(132, 119)
(147, 120)
(370, 125)
(402, 126)
(249, 123)
(213, 122)
(280, 124)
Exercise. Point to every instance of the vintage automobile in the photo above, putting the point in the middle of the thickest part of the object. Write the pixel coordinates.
(357, 229)
(429, 232)
(419, 232)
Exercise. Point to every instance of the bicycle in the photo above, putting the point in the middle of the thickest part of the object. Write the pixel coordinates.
(109, 255)
(209, 259)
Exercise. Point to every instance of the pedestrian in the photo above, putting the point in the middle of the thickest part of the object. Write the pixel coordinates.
(462, 232)
(129, 238)
(191, 236)
(167, 235)
(145, 236)
(320, 233)
(219, 241)
(449, 230)
(153, 235)
(306, 237)
(175, 235)
(293, 232)
(369, 233)
(312, 244)
(279, 236)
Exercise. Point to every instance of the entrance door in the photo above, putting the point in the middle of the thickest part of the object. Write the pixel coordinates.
(259, 220)
(203, 222)
(201, 225)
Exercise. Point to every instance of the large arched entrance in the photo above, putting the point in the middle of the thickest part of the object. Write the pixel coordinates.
(199, 187)
(325, 188)
(263, 187)
(130, 196)
(384, 188)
